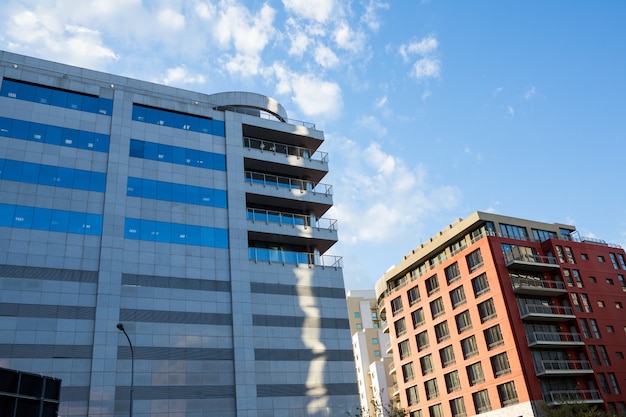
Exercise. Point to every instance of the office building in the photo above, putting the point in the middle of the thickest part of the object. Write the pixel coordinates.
(500, 316)
(196, 221)
(371, 360)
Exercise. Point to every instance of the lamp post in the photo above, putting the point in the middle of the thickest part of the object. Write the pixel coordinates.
(120, 326)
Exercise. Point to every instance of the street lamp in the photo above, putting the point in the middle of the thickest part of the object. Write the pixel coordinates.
(120, 326)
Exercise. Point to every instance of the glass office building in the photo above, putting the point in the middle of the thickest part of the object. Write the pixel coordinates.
(196, 221)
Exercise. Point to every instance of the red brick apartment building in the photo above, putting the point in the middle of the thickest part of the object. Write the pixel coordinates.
(496, 315)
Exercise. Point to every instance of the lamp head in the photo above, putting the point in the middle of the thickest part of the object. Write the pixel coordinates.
(120, 326)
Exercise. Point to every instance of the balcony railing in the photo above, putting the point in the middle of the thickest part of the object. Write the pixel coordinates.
(288, 150)
(289, 219)
(290, 257)
(518, 258)
(539, 286)
(287, 182)
(545, 367)
(548, 312)
(554, 338)
(573, 396)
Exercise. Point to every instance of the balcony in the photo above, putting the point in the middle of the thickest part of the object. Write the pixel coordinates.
(529, 262)
(389, 348)
(556, 339)
(288, 257)
(546, 313)
(573, 396)
(539, 287)
(563, 367)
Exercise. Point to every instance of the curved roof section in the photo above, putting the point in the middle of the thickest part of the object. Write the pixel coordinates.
(254, 101)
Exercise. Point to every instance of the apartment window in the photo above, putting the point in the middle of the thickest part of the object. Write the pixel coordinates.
(570, 255)
(604, 355)
(600, 303)
(500, 365)
(457, 297)
(404, 348)
(621, 406)
(415, 413)
(374, 315)
(507, 394)
(493, 337)
(396, 305)
(480, 285)
(559, 253)
(584, 256)
(414, 295)
(408, 372)
(400, 326)
(432, 285)
(457, 407)
(610, 329)
(585, 328)
(594, 328)
(600, 258)
(474, 260)
(481, 401)
(585, 302)
(620, 278)
(619, 355)
(357, 315)
(422, 340)
(604, 383)
(593, 280)
(541, 235)
(453, 273)
(426, 363)
(475, 373)
(514, 232)
(619, 305)
(614, 383)
(411, 395)
(614, 260)
(593, 352)
(447, 356)
(622, 262)
(576, 301)
(442, 332)
(577, 279)
(487, 310)
(453, 382)
(436, 308)
(435, 411)
(417, 317)
(463, 321)
(469, 347)
(431, 388)
(568, 277)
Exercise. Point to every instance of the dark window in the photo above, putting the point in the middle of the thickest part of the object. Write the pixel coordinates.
(404, 348)
(426, 363)
(408, 372)
(447, 356)
(411, 395)
(500, 365)
(463, 321)
(507, 394)
(452, 273)
(414, 295)
(396, 305)
(400, 326)
(442, 331)
(469, 347)
(431, 388)
(453, 382)
(422, 340)
(475, 373)
(457, 297)
(474, 260)
(457, 407)
(480, 284)
(487, 310)
(432, 285)
(417, 317)
(436, 308)
(481, 401)
(493, 337)
(514, 232)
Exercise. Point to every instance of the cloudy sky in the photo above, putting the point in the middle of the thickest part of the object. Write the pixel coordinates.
(431, 110)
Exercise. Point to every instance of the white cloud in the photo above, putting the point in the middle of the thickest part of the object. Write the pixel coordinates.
(382, 102)
(180, 75)
(248, 33)
(530, 93)
(348, 39)
(325, 57)
(426, 68)
(372, 125)
(510, 110)
(318, 10)
(426, 64)
(370, 18)
(497, 91)
(422, 47)
(169, 18)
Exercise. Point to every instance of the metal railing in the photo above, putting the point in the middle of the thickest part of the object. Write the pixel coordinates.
(515, 255)
(290, 219)
(570, 396)
(527, 309)
(562, 365)
(291, 257)
(287, 182)
(520, 282)
(265, 115)
(553, 337)
(288, 150)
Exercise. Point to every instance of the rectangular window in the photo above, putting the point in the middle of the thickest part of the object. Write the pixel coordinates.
(404, 348)
(432, 285)
(560, 255)
(614, 260)
(600, 258)
(604, 383)
(442, 332)
(481, 401)
(500, 365)
(436, 308)
(417, 317)
(542, 235)
(614, 383)
(416, 413)
(577, 278)
(507, 394)
(457, 297)
(414, 295)
(357, 315)
(576, 301)
(453, 382)
(408, 372)
(463, 321)
(475, 373)
(426, 363)
(435, 411)
(480, 284)
(469, 347)
(411, 395)
(570, 255)
(620, 278)
(604, 355)
(514, 232)
(493, 337)
(422, 340)
(474, 260)
(585, 328)
(585, 302)
(622, 262)
(457, 407)
(400, 326)
(447, 356)
(396, 305)
(431, 388)
(619, 305)
(453, 273)
(594, 328)
(593, 352)
(487, 310)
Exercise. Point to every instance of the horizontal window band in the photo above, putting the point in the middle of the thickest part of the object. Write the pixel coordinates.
(179, 317)
(51, 274)
(175, 282)
(300, 322)
(302, 390)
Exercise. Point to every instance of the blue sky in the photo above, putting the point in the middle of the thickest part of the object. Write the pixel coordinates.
(432, 110)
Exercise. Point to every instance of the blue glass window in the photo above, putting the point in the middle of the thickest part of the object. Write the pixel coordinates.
(184, 234)
(19, 171)
(54, 97)
(25, 217)
(177, 155)
(180, 193)
(177, 120)
(53, 135)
